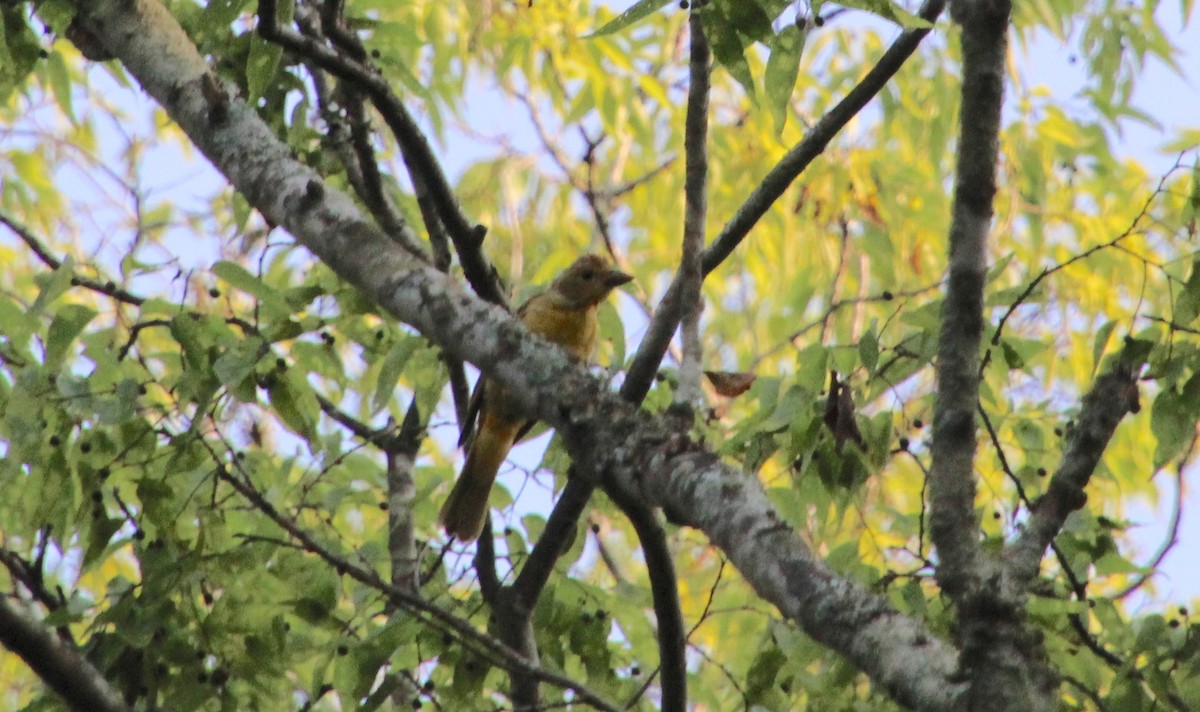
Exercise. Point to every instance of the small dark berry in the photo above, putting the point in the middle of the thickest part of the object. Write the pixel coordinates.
(214, 292)
(888, 296)
(55, 441)
(904, 444)
(595, 528)
(343, 650)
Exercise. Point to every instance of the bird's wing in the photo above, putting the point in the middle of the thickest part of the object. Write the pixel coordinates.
(473, 407)
(477, 396)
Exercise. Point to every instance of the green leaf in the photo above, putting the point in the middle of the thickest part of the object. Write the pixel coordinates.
(53, 285)
(1103, 334)
(783, 67)
(612, 332)
(393, 366)
(67, 324)
(790, 404)
(60, 84)
(868, 347)
(639, 11)
(747, 17)
(1191, 208)
(1113, 563)
(1187, 307)
(729, 49)
(236, 276)
(1172, 424)
(261, 66)
(1011, 357)
(889, 11)
(296, 406)
(238, 362)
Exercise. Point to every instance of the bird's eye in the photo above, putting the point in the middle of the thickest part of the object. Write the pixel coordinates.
(589, 274)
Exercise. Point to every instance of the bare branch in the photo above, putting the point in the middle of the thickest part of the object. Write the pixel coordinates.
(43, 253)
(645, 363)
(418, 155)
(695, 210)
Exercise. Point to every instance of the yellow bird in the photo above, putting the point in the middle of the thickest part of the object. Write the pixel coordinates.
(564, 314)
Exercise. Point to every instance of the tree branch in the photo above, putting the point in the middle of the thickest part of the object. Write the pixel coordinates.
(664, 591)
(503, 656)
(695, 213)
(43, 253)
(954, 525)
(1111, 398)
(401, 458)
(645, 363)
(58, 663)
(609, 439)
(418, 156)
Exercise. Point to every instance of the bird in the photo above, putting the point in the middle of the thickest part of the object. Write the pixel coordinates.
(564, 314)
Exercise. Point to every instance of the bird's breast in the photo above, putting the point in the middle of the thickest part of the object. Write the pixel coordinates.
(572, 329)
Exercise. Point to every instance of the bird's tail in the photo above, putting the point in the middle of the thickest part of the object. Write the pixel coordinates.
(466, 508)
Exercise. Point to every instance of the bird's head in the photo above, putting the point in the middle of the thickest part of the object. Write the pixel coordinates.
(588, 281)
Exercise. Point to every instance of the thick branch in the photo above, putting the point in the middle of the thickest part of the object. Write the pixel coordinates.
(401, 458)
(609, 439)
(59, 664)
(1111, 398)
(954, 523)
(1003, 658)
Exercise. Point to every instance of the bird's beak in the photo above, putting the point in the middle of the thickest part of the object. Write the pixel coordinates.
(615, 278)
